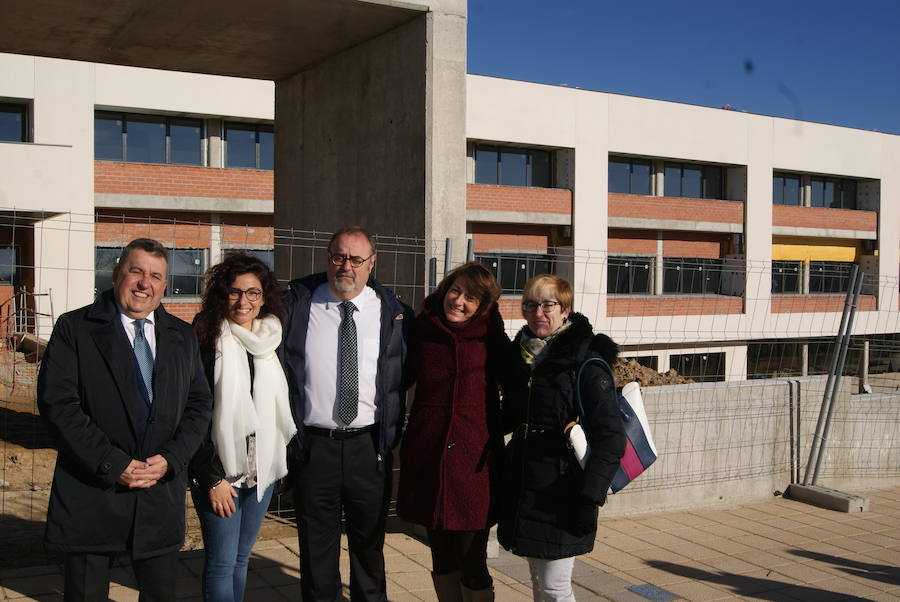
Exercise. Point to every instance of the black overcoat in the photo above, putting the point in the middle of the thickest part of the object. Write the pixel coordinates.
(90, 398)
(544, 486)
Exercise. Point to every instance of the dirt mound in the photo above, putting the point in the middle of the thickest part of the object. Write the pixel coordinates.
(628, 369)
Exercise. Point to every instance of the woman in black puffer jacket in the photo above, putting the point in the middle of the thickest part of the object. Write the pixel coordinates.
(549, 503)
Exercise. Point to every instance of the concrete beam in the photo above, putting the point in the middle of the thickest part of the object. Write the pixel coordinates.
(183, 203)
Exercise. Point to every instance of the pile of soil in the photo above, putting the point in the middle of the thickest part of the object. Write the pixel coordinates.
(628, 370)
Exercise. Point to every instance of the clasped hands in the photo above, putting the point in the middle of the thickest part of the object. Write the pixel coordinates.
(142, 474)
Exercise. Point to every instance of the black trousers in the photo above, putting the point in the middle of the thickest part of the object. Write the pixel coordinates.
(87, 577)
(346, 475)
(463, 551)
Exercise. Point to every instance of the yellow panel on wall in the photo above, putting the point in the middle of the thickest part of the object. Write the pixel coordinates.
(798, 248)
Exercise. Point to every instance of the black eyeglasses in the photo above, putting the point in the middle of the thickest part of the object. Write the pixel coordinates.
(547, 307)
(252, 294)
(354, 260)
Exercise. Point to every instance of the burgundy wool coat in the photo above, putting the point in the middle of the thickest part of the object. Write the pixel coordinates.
(450, 457)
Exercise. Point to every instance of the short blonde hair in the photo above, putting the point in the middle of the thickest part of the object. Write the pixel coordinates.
(553, 285)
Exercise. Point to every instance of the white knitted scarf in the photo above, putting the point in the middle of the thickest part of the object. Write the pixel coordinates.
(239, 412)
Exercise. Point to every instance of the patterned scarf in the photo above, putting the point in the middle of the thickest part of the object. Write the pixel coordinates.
(532, 347)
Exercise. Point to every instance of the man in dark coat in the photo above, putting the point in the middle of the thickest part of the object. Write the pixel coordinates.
(122, 390)
(344, 354)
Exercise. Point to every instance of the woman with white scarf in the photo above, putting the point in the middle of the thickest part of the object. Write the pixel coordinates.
(234, 471)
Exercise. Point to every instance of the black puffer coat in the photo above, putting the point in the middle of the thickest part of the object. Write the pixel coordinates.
(544, 485)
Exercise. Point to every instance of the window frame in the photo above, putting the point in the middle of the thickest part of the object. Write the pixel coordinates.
(780, 265)
(676, 361)
(648, 260)
(203, 254)
(704, 168)
(779, 198)
(167, 122)
(837, 272)
(496, 263)
(840, 192)
(529, 153)
(630, 162)
(13, 108)
(683, 265)
(257, 128)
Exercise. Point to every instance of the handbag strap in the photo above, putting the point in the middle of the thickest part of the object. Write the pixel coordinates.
(605, 366)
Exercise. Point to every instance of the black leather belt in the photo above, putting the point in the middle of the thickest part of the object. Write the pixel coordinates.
(339, 434)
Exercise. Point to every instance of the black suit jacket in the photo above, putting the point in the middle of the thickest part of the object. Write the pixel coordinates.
(90, 398)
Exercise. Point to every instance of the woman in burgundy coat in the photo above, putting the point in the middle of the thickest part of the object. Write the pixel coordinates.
(450, 457)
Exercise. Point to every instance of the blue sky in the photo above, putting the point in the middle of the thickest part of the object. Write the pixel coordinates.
(826, 61)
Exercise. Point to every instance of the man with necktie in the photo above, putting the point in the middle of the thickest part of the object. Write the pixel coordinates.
(122, 390)
(345, 353)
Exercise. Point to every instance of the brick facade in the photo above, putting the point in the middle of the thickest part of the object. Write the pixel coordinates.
(818, 217)
(182, 181)
(185, 311)
(818, 303)
(672, 306)
(675, 208)
(510, 237)
(517, 198)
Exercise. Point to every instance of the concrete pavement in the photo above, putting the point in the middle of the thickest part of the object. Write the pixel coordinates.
(774, 550)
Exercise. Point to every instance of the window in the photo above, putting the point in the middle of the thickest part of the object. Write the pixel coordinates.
(513, 166)
(701, 367)
(695, 276)
(630, 176)
(513, 271)
(186, 267)
(829, 276)
(13, 123)
(694, 181)
(8, 265)
(249, 145)
(105, 260)
(774, 359)
(833, 193)
(785, 189)
(786, 276)
(148, 138)
(629, 275)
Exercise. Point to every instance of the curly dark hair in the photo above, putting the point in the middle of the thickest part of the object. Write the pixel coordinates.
(214, 308)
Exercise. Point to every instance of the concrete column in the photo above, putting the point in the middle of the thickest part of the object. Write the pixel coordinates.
(375, 136)
(736, 363)
(590, 207)
(758, 225)
(888, 218)
(805, 190)
(215, 148)
(804, 355)
(64, 244)
(864, 367)
(658, 271)
(659, 177)
(215, 238)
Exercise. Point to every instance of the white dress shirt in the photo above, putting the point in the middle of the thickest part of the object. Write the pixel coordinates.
(149, 330)
(322, 357)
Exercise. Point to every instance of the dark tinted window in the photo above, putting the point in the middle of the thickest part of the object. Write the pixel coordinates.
(12, 123)
(829, 276)
(702, 367)
(145, 139)
(8, 265)
(108, 130)
(249, 145)
(629, 275)
(185, 272)
(833, 193)
(186, 141)
(694, 181)
(148, 138)
(513, 166)
(785, 189)
(513, 271)
(693, 276)
(105, 260)
(786, 276)
(629, 176)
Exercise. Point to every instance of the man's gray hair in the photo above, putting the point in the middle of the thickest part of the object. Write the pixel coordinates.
(149, 245)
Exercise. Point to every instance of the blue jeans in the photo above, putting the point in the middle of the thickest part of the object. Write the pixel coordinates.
(227, 542)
